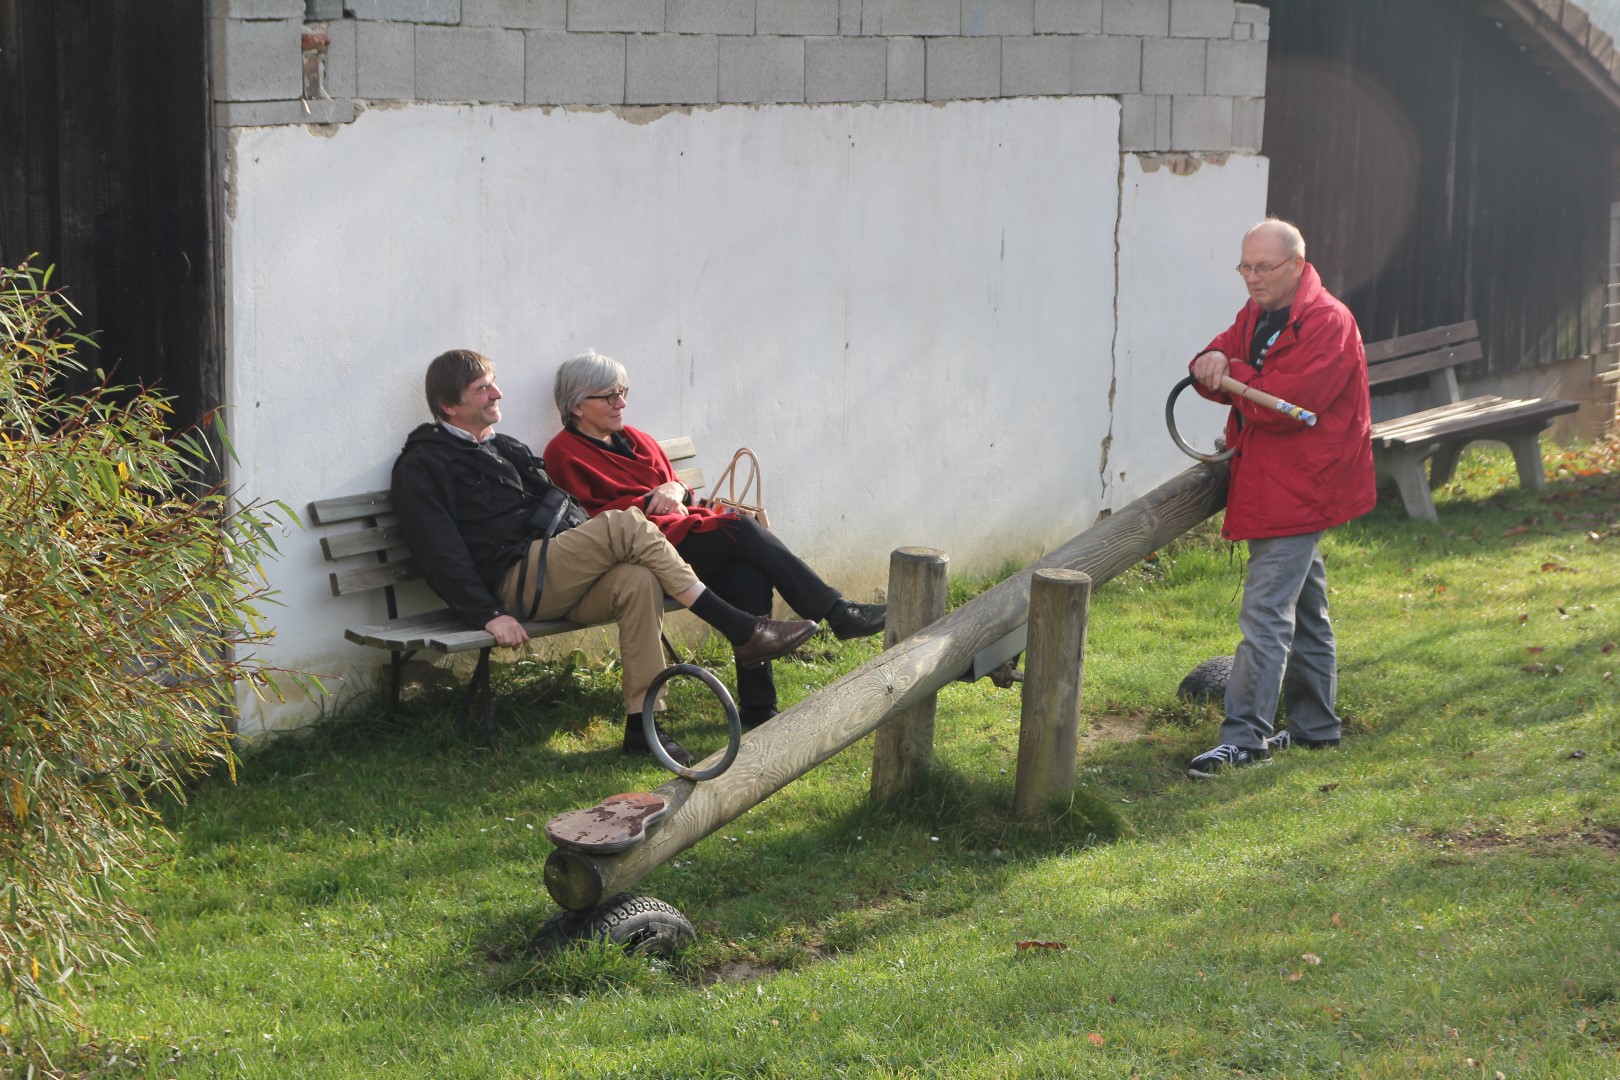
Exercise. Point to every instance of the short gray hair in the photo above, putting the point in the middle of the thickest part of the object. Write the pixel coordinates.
(587, 372)
(1293, 240)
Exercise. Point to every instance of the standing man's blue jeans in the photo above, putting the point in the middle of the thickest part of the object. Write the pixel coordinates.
(1287, 648)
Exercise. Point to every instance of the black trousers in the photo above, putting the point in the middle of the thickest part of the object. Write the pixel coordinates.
(743, 564)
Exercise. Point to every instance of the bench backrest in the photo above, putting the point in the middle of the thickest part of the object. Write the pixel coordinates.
(1437, 351)
(374, 556)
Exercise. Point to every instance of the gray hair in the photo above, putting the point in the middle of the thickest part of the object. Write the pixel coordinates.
(1293, 240)
(589, 371)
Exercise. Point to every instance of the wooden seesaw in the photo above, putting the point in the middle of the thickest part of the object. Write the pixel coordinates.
(969, 642)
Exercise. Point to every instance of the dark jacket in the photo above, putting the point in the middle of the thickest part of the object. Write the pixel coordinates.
(1288, 479)
(465, 510)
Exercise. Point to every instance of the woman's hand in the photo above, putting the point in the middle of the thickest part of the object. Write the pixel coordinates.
(667, 498)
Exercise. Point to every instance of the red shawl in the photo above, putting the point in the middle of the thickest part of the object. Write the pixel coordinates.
(604, 480)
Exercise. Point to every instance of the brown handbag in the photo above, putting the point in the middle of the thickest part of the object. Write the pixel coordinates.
(737, 495)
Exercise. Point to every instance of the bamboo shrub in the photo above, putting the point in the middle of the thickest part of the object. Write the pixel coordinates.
(130, 594)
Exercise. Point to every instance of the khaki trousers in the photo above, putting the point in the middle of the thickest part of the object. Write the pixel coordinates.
(615, 566)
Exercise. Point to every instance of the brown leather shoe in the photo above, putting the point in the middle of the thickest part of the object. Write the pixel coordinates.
(635, 741)
(773, 638)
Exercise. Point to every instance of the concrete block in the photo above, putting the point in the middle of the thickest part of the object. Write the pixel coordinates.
(1248, 123)
(469, 63)
(817, 18)
(275, 113)
(323, 9)
(961, 67)
(573, 69)
(761, 69)
(385, 61)
(1262, 32)
(982, 18)
(1200, 122)
(1251, 13)
(709, 17)
(264, 9)
(1202, 18)
(1242, 31)
(516, 14)
(1107, 65)
(1068, 16)
(1032, 66)
(258, 61)
(672, 69)
(337, 74)
(845, 69)
(1173, 65)
(1144, 122)
(625, 16)
(1236, 68)
(1149, 18)
(924, 18)
(418, 11)
(849, 16)
(907, 69)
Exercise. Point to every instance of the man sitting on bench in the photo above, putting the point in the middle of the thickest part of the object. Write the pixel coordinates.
(501, 544)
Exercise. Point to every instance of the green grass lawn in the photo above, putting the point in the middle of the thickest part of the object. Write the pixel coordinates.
(1437, 897)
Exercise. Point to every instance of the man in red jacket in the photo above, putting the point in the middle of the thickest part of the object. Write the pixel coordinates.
(1289, 483)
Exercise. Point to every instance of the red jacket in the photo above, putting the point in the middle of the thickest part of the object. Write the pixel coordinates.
(603, 480)
(1289, 479)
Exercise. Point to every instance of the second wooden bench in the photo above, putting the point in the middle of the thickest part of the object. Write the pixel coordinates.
(1438, 435)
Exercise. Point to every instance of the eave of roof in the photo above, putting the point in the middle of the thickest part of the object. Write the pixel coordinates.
(1560, 36)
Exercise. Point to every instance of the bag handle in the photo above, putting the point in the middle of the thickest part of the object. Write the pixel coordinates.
(752, 482)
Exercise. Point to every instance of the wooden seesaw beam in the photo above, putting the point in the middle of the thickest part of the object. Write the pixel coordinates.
(843, 712)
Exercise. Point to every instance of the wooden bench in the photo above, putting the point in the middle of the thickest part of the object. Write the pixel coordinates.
(373, 555)
(1438, 435)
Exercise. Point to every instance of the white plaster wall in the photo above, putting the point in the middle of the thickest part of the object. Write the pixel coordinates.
(907, 310)
(1184, 221)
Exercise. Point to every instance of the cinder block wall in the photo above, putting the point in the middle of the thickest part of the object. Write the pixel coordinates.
(1190, 74)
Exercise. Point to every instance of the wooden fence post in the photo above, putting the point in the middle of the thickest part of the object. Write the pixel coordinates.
(1049, 731)
(904, 746)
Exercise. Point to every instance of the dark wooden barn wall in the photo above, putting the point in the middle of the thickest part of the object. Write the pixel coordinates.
(105, 171)
(1438, 175)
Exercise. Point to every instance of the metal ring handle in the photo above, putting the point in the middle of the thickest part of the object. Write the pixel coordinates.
(1170, 421)
(649, 722)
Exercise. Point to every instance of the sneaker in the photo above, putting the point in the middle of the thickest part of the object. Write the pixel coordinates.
(1225, 756)
(1287, 740)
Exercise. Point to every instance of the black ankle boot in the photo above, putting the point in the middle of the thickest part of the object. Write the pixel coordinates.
(635, 741)
(848, 619)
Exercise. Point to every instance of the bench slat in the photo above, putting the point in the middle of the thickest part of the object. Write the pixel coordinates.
(1379, 352)
(351, 507)
(382, 538)
(1482, 420)
(1404, 367)
(680, 448)
(375, 576)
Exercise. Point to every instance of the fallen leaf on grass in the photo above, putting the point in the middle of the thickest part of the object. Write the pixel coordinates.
(1295, 976)
(1336, 921)
(1328, 786)
(1310, 958)
(1517, 530)
(1022, 945)
(1556, 568)
(1535, 650)
(1606, 647)
(1533, 668)
(1096, 1039)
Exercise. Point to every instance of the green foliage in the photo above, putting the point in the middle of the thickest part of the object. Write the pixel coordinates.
(126, 587)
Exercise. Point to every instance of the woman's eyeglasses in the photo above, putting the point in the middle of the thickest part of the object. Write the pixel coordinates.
(621, 394)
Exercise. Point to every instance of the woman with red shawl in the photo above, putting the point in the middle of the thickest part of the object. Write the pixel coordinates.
(608, 465)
